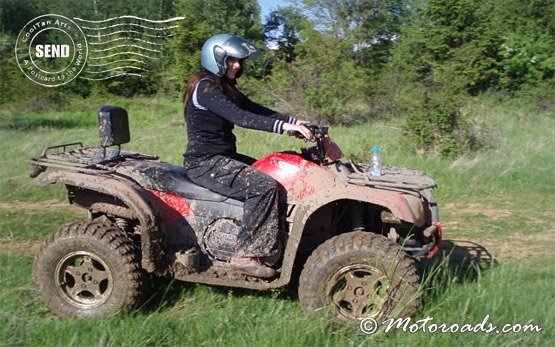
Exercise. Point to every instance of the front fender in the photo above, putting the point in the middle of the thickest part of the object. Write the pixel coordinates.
(407, 206)
(404, 205)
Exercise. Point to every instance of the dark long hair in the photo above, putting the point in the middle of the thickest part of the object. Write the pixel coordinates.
(229, 87)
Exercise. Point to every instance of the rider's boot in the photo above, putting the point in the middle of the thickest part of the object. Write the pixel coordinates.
(251, 266)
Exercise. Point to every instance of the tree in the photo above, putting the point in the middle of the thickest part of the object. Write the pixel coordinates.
(458, 48)
(526, 50)
(446, 52)
(471, 46)
(14, 14)
(320, 84)
(368, 28)
(282, 32)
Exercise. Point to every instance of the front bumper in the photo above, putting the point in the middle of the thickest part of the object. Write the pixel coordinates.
(433, 236)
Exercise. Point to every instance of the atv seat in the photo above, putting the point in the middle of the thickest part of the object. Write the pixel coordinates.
(168, 178)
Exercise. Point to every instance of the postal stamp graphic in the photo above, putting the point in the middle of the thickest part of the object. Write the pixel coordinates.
(52, 50)
(124, 45)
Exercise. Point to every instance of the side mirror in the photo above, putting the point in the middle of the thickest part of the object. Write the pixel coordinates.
(113, 126)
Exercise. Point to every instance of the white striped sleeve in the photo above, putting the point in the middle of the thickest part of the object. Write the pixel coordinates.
(278, 127)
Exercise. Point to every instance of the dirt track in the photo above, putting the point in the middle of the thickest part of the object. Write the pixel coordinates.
(39, 206)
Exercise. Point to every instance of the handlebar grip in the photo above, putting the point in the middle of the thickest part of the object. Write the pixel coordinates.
(318, 131)
(295, 134)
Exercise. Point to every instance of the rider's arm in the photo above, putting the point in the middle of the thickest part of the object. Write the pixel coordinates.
(254, 107)
(217, 102)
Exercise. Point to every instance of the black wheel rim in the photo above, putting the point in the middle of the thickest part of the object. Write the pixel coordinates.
(84, 279)
(357, 291)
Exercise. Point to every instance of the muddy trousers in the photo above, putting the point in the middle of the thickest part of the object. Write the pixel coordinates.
(235, 178)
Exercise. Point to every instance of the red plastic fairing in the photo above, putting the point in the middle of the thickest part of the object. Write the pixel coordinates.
(439, 237)
(171, 206)
(299, 177)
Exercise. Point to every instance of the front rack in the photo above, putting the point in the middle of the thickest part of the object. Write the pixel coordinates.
(393, 177)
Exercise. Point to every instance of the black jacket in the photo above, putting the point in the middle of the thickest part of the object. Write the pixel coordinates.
(211, 116)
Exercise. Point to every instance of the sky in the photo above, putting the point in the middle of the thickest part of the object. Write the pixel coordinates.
(268, 6)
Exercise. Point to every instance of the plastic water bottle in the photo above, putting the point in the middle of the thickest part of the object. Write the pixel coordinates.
(375, 162)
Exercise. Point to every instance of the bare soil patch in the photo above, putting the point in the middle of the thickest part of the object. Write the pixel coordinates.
(20, 247)
(510, 244)
(521, 246)
(36, 206)
(474, 209)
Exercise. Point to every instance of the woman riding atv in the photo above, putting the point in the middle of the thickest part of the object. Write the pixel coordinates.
(212, 106)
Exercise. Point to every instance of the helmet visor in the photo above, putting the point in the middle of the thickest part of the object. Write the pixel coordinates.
(240, 48)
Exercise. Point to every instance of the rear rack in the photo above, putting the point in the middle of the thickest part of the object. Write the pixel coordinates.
(62, 146)
(82, 159)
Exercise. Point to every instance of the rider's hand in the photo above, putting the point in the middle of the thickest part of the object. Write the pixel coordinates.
(302, 122)
(299, 128)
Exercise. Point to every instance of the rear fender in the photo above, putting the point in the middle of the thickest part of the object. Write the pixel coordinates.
(137, 205)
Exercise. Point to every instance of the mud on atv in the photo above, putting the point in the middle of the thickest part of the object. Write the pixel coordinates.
(355, 237)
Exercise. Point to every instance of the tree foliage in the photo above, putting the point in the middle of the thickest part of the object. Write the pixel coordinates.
(321, 84)
(458, 48)
(282, 31)
(367, 27)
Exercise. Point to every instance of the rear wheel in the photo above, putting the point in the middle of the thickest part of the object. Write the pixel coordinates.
(88, 269)
(357, 275)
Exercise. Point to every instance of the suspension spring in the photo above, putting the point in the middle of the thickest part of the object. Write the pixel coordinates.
(122, 223)
(356, 218)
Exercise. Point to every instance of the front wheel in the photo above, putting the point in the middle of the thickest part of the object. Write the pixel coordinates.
(88, 269)
(357, 275)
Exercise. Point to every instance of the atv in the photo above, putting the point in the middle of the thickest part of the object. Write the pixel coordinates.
(354, 238)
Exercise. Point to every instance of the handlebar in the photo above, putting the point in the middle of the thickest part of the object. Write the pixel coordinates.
(318, 131)
(323, 145)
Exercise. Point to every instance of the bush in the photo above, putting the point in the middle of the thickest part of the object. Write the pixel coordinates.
(438, 123)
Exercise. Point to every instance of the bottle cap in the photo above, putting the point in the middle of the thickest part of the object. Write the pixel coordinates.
(375, 149)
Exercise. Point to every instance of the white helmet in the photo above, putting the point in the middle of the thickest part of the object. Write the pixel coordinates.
(217, 48)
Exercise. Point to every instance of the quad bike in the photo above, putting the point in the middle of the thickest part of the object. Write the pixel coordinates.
(355, 237)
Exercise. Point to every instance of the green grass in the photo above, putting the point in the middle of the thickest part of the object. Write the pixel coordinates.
(25, 225)
(500, 201)
(191, 315)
